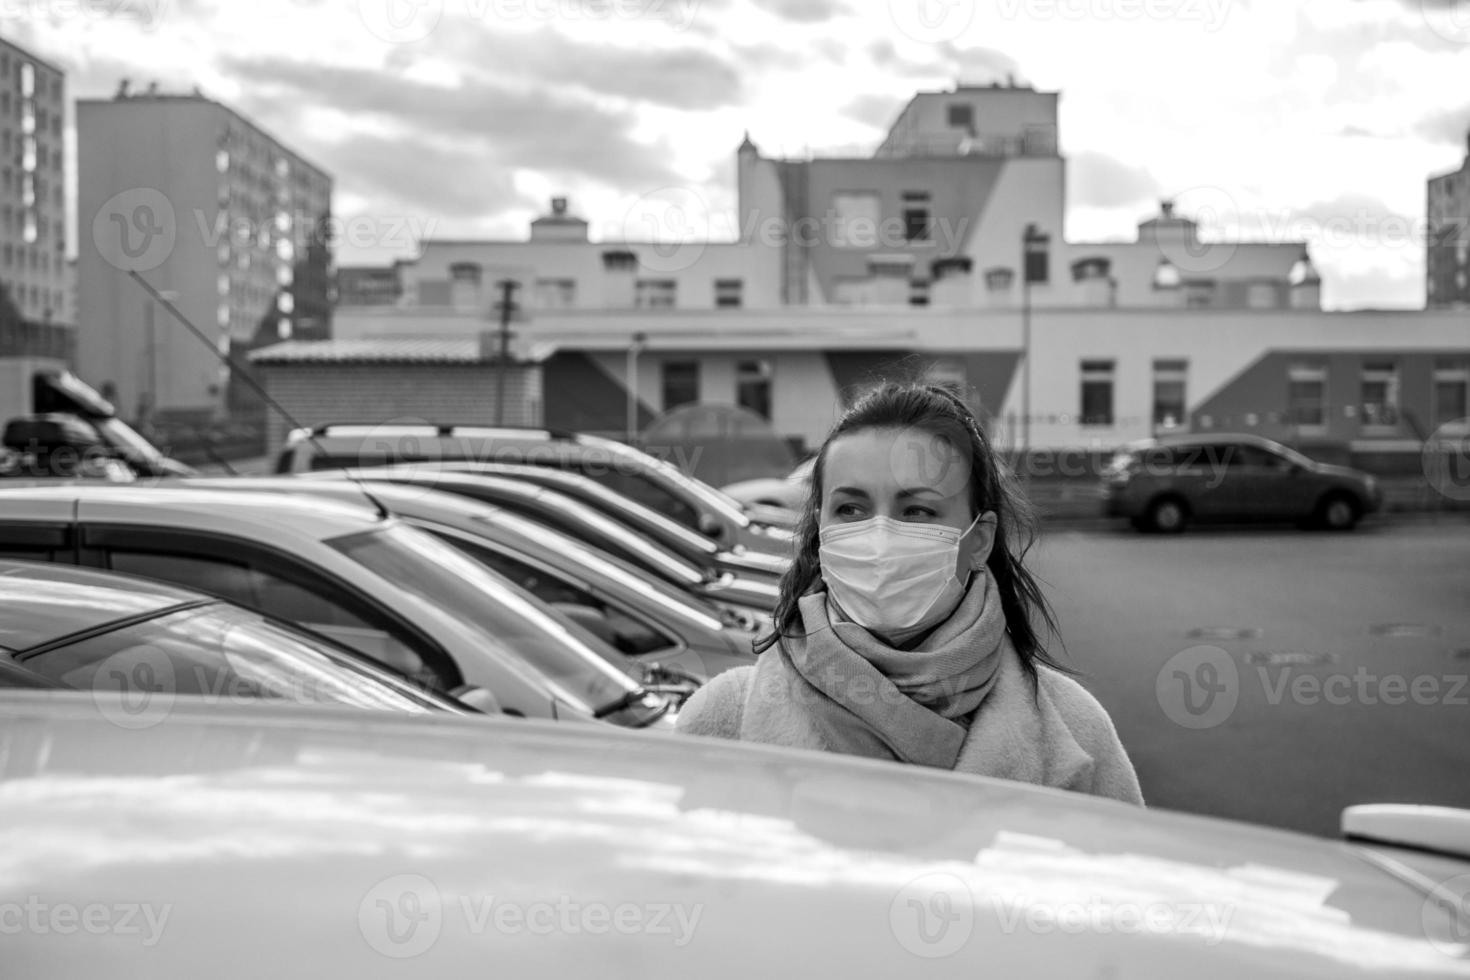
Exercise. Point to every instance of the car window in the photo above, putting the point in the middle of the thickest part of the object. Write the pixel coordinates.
(221, 652)
(258, 589)
(629, 634)
(638, 487)
(1244, 456)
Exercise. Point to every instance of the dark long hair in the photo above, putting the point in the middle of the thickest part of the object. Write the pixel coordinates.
(940, 411)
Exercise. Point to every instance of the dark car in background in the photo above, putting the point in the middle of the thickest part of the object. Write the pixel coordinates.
(1166, 483)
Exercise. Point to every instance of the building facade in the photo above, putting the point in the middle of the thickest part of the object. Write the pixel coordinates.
(1447, 248)
(941, 256)
(33, 266)
(229, 223)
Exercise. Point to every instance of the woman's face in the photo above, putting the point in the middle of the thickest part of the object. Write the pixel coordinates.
(906, 475)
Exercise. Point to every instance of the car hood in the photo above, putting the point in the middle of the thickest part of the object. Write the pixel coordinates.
(262, 842)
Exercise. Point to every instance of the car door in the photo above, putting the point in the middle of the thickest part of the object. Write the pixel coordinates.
(283, 586)
(1257, 484)
(38, 529)
(1192, 475)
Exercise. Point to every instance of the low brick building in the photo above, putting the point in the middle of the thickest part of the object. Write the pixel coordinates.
(372, 381)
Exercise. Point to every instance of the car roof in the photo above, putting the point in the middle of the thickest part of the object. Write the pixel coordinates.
(752, 858)
(270, 516)
(41, 602)
(1212, 439)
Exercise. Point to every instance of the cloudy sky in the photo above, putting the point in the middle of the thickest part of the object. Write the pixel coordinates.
(1276, 119)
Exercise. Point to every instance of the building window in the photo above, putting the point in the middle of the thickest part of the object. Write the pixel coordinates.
(1169, 407)
(1380, 394)
(728, 293)
(556, 294)
(1306, 397)
(680, 383)
(856, 215)
(1097, 393)
(655, 294)
(916, 216)
(1451, 392)
(753, 387)
(918, 292)
(961, 115)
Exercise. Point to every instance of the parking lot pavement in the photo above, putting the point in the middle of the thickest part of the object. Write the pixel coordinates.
(1274, 675)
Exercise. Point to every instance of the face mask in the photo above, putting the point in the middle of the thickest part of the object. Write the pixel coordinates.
(893, 576)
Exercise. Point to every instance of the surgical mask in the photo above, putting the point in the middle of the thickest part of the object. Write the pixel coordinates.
(893, 576)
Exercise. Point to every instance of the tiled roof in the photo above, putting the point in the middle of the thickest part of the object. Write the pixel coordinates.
(438, 351)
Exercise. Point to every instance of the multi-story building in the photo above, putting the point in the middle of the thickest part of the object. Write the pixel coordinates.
(33, 268)
(232, 225)
(940, 254)
(1447, 245)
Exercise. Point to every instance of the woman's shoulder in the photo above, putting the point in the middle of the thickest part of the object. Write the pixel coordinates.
(1083, 713)
(716, 708)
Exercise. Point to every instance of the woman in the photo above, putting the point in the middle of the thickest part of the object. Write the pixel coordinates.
(904, 628)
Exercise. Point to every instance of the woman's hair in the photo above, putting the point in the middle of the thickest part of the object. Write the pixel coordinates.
(941, 412)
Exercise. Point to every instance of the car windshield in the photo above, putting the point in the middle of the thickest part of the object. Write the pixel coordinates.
(597, 564)
(510, 620)
(222, 652)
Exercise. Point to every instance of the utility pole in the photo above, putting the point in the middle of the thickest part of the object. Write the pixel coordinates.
(1033, 269)
(634, 349)
(507, 307)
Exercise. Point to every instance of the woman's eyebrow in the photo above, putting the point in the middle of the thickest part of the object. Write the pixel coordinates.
(851, 491)
(918, 492)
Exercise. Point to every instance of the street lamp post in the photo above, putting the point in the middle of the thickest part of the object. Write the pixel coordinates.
(506, 307)
(1033, 269)
(634, 349)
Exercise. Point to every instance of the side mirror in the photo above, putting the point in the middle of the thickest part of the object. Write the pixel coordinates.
(479, 698)
(710, 526)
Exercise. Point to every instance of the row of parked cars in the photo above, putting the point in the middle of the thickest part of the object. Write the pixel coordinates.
(408, 711)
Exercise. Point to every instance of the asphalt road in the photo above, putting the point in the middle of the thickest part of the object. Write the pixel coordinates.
(1277, 676)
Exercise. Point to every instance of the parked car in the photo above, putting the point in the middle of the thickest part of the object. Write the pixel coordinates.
(397, 595)
(787, 494)
(650, 622)
(645, 478)
(100, 631)
(639, 518)
(1163, 484)
(754, 594)
(369, 845)
(72, 432)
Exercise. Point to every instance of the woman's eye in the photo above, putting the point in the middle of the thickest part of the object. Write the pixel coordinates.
(918, 514)
(848, 510)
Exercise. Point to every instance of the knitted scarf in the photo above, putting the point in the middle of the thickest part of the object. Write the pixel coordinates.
(841, 689)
